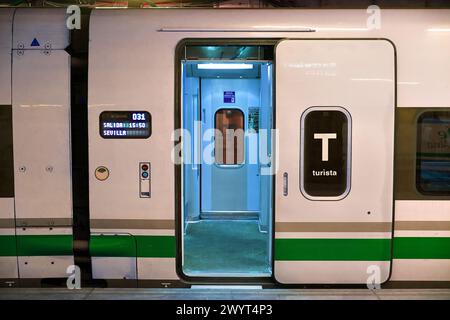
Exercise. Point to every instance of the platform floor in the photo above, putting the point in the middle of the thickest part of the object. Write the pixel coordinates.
(222, 294)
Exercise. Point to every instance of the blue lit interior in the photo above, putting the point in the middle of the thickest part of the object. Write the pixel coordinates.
(227, 210)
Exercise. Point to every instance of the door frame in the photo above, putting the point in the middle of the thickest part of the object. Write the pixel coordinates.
(179, 56)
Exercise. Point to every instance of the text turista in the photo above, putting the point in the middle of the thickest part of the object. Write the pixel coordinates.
(324, 173)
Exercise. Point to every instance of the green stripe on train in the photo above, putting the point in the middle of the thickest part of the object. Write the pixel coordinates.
(361, 249)
(36, 245)
(156, 246)
(129, 246)
(285, 249)
(112, 246)
(7, 246)
(422, 248)
(332, 249)
(45, 245)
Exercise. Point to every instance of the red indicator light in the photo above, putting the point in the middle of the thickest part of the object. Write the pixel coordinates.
(144, 167)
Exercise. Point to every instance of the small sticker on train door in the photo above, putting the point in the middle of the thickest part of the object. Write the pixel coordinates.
(229, 97)
(35, 43)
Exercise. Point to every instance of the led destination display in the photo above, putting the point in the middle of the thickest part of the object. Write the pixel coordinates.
(125, 124)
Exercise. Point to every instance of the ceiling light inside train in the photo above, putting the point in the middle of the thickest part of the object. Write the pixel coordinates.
(225, 66)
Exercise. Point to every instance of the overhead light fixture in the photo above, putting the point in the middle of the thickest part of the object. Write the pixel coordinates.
(225, 66)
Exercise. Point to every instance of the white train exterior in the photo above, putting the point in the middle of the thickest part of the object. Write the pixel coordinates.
(385, 78)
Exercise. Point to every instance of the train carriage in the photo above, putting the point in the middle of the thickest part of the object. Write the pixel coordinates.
(178, 147)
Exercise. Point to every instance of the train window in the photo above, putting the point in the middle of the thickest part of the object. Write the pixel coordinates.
(229, 137)
(433, 153)
(125, 124)
(325, 153)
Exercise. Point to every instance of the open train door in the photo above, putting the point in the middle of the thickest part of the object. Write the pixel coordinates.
(335, 107)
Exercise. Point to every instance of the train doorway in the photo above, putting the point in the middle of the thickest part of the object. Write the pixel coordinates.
(226, 171)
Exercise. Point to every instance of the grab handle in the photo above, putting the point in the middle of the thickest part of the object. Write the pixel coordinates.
(285, 184)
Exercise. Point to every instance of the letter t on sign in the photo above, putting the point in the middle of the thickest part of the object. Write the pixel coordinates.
(325, 137)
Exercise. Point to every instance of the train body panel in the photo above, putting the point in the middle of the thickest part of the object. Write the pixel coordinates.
(136, 68)
(8, 256)
(40, 121)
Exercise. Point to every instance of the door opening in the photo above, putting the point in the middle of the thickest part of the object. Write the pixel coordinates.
(226, 188)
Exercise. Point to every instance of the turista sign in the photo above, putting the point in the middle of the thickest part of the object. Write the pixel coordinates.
(325, 137)
(325, 152)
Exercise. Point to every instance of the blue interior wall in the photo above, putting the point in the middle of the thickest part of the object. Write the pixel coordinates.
(191, 176)
(243, 188)
(229, 188)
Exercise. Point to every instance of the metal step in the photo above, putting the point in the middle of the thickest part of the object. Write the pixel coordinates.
(230, 215)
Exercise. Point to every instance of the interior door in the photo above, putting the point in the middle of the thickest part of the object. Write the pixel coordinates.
(335, 105)
(224, 183)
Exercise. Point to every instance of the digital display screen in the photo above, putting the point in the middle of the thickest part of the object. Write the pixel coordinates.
(125, 125)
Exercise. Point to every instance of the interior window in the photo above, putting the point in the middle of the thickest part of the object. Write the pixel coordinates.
(229, 137)
(433, 153)
(325, 159)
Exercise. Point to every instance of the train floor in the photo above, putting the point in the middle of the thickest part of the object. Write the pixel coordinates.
(224, 247)
(221, 293)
